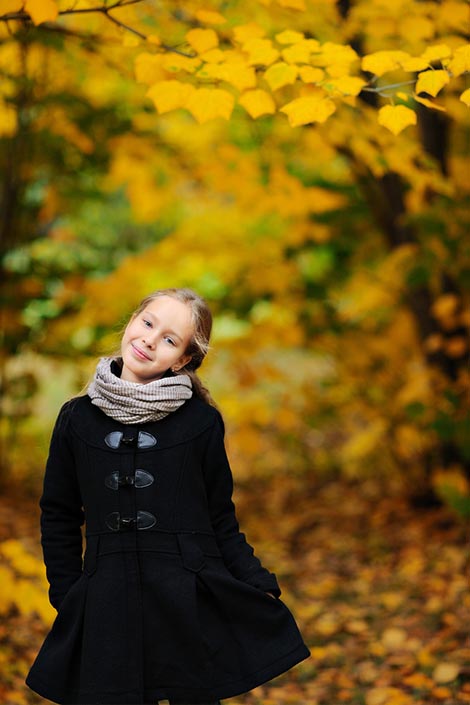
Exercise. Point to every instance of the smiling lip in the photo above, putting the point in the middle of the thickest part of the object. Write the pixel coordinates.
(140, 353)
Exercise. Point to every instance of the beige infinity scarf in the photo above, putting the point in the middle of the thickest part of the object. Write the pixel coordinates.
(131, 402)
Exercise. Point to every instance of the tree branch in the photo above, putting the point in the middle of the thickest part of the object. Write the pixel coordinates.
(103, 10)
(117, 22)
(8, 16)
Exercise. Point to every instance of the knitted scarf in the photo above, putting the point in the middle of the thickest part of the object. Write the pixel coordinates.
(131, 402)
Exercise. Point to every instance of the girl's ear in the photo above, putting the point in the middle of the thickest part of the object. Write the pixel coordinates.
(184, 359)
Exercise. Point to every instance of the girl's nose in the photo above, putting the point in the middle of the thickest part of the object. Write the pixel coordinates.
(149, 341)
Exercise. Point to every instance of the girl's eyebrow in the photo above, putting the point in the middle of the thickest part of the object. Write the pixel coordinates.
(172, 332)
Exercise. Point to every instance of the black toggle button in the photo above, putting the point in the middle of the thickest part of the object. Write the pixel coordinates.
(113, 439)
(143, 520)
(117, 438)
(146, 440)
(141, 478)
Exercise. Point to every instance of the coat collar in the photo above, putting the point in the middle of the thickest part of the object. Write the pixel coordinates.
(93, 426)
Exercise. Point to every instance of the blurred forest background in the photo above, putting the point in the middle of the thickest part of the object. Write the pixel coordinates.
(303, 164)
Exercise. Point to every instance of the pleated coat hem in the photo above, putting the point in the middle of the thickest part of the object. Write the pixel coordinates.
(227, 690)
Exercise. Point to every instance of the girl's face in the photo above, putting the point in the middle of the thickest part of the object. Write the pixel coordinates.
(155, 340)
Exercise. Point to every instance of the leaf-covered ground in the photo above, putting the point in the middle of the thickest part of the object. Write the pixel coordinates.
(379, 589)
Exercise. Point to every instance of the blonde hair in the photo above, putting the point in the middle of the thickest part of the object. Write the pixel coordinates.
(198, 346)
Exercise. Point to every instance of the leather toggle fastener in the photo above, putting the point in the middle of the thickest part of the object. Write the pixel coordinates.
(141, 478)
(143, 520)
(142, 440)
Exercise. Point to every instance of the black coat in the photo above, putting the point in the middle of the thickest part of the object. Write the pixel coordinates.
(169, 600)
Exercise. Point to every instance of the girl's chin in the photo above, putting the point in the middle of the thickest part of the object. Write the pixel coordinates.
(133, 373)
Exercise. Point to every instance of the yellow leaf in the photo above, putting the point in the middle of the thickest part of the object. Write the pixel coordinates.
(426, 658)
(148, 67)
(394, 638)
(170, 95)
(348, 85)
(307, 109)
(308, 74)
(210, 17)
(356, 626)
(429, 103)
(388, 696)
(288, 36)
(381, 62)
(238, 75)
(300, 52)
(11, 6)
(436, 52)
(446, 672)
(465, 97)
(391, 600)
(327, 624)
(245, 32)
(261, 51)
(208, 103)
(210, 71)
(431, 82)
(213, 56)
(396, 117)
(297, 53)
(154, 39)
(42, 10)
(280, 74)
(202, 40)
(460, 63)
(257, 103)
(414, 64)
(335, 55)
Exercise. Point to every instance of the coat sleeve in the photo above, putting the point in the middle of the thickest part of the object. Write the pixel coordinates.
(62, 513)
(237, 553)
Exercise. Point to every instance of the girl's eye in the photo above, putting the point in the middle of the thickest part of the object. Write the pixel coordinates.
(147, 323)
(170, 340)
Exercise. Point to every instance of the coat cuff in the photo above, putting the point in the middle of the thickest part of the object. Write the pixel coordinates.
(57, 594)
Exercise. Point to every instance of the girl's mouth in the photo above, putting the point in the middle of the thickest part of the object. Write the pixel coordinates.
(140, 354)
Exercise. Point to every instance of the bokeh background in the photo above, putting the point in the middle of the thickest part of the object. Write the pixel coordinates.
(335, 254)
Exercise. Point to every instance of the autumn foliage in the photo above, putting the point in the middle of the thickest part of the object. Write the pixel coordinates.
(304, 165)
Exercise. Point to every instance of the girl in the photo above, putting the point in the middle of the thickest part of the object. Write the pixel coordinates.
(170, 601)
